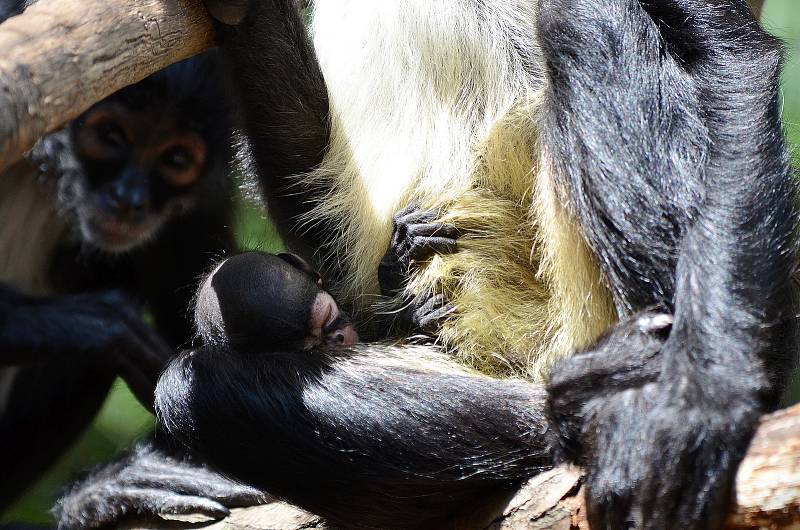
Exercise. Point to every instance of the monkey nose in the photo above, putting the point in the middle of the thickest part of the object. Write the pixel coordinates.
(346, 336)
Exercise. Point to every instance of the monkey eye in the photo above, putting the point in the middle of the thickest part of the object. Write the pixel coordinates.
(179, 166)
(181, 159)
(111, 135)
(177, 158)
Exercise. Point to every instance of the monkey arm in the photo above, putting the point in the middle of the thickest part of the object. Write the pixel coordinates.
(285, 104)
(58, 359)
(663, 130)
(329, 433)
(104, 328)
(131, 486)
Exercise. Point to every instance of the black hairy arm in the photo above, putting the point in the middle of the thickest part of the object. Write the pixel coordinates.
(366, 453)
(60, 355)
(104, 327)
(284, 106)
(134, 486)
(671, 109)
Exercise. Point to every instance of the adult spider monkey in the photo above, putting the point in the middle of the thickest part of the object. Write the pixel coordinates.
(120, 211)
(599, 158)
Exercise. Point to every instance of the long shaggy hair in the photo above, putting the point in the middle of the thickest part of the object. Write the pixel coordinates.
(450, 122)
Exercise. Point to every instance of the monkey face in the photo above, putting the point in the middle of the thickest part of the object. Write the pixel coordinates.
(261, 302)
(139, 170)
(149, 153)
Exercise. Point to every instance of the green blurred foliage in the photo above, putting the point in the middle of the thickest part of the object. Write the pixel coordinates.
(122, 420)
(782, 18)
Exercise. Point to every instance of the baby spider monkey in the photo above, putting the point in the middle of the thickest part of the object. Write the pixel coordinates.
(258, 302)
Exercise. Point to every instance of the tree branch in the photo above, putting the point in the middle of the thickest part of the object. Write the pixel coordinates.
(62, 56)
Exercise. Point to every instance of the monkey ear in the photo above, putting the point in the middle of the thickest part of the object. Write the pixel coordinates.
(229, 12)
(299, 263)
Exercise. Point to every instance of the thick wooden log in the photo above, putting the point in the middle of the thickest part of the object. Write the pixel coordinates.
(61, 56)
(767, 494)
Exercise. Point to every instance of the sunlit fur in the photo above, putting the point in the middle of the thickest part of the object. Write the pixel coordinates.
(29, 201)
(433, 104)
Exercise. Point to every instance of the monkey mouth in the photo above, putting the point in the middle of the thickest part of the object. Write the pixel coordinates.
(350, 336)
(116, 235)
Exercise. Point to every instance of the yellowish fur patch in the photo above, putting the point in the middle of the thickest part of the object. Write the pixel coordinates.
(436, 104)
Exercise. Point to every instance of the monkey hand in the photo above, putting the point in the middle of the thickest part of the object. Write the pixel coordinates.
(658, 449)
(110, 326)
(424, 313)
(139, 352)
(152, 485)
(415, 238)
(421, 314)
(106, 327)
(663, 456)
(627, 356)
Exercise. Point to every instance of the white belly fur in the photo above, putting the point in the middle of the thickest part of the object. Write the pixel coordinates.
(436, 102)
(416, 87)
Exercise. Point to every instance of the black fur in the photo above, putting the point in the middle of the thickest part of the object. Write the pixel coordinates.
(256, 302)
(662, 122)
(10, 8)
(132, 486)
(68, 347)
(357, 432)
(696, 215)
(287, 118)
